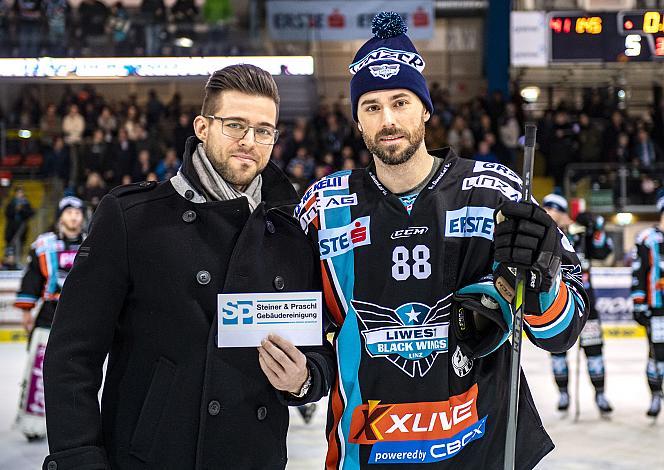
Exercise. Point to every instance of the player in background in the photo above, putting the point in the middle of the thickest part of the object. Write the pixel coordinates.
(648, 300)
(51, 257)
(590, 241)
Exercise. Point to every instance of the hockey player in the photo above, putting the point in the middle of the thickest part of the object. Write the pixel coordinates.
(647, 297)
(51, 258)
(418, 277)
(590, 241)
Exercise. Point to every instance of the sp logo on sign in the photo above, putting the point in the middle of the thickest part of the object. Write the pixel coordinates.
(238, 313)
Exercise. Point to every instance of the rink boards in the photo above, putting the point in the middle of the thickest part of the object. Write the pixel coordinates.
(612, 287)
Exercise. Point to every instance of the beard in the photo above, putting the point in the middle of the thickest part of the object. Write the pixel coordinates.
(230, 175)
(390, 155)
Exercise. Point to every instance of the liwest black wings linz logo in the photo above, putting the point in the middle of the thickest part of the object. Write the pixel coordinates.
(572, 271)
(410, 336)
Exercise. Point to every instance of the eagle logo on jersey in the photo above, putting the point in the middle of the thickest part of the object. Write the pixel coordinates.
(410, 336)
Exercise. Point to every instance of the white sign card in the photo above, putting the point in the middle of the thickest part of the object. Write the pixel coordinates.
(244, 320)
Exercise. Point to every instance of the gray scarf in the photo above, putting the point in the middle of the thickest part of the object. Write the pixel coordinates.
(216, 188)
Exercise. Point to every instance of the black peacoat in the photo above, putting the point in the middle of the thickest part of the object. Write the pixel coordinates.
(143, 289)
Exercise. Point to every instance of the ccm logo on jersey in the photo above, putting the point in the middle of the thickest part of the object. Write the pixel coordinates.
(491, 182)
(333, 202)
(470, 221)
(336, 241)
(409, 232)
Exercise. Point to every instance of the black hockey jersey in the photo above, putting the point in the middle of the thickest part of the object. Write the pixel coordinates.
(406, 393)
(647, 265)
(51, 258)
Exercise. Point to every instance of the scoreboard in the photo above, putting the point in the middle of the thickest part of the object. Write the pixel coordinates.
(623, 36)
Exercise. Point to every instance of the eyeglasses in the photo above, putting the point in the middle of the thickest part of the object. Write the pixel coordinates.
(237, 129)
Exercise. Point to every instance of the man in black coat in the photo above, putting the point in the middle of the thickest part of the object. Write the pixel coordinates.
(144, 288)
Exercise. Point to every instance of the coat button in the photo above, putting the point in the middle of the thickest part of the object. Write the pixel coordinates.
(269, 225)
(189, 216)
(52, 465)
(279, 283)
(189, 194)
(214, 408)
(203, 277)
(261, 413)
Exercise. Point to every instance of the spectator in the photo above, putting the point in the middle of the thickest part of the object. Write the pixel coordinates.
(182, 131)
(622, 151)
(434, 138)
(169, 166)
(277, 156)
(133, 124)
(73, 126)
(93, 16)
(50, 125)
(153, 14)
(56, 162)
(154, 109)
(124, 152)
(509, 131)
(297, 177)
(107, 123)
(143, 167)
(94, 190)
(96, 157)
(56, 18)
(460, 138)
(17, 214)
(304, 158)
(590, 140)
(119, 25)
(29, 16)
(562, 147)
(610, 137)
(645, 151)
(484, 153)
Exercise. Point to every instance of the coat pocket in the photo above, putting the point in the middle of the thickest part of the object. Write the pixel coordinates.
(147, 427)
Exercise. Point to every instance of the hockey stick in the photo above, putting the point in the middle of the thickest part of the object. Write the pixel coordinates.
(518, 302)
(577, 387)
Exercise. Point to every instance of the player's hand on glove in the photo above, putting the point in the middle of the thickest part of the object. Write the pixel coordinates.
(526, 238)
(641, 314)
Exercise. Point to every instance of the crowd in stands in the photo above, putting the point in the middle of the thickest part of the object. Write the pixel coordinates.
(91, 144)
(31, 28)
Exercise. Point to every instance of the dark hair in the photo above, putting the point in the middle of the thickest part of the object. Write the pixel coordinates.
(244, 78)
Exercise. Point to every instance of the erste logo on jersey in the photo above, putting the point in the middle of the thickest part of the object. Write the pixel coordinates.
(411, 336)
(470, 221)
(337, 241)
(491, 182)
(422, 432)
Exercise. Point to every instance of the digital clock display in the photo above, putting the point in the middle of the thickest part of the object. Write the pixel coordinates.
(606, 37)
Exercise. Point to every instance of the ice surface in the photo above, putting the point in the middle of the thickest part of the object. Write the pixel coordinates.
(629, 440)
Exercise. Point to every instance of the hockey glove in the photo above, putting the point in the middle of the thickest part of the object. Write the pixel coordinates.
(527, 238)
(641, 314)
(481, 319)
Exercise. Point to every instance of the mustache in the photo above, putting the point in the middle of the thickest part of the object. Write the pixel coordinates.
(392, 131)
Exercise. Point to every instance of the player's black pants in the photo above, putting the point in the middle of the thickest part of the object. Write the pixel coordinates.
(655, 368)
